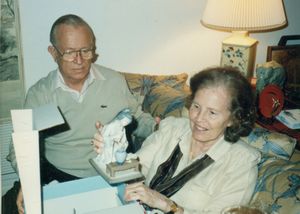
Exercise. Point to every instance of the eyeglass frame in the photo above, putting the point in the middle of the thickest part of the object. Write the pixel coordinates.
(75, 51)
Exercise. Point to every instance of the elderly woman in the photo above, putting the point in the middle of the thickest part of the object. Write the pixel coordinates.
(198, 164)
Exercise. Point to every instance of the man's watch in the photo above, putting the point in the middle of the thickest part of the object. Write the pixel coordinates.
(174, 208)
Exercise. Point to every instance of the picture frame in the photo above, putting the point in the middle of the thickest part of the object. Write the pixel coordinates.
(289, 57)
(12, 90)
(283, 54)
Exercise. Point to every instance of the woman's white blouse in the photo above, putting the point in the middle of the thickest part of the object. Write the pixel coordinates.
(229, 180)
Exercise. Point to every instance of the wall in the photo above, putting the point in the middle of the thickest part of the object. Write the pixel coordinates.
(137, 35)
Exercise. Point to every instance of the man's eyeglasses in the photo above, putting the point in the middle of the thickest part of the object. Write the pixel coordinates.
(70, 55)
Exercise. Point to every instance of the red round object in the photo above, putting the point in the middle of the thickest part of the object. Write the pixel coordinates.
(271, 101)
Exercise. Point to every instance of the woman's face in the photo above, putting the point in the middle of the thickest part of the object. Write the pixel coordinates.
(209, 114)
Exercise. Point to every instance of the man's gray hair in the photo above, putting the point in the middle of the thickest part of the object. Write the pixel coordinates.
(69, 19)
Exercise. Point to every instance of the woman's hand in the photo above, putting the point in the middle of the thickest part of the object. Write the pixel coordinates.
(20, 202)
(142, 193)
(97, 141)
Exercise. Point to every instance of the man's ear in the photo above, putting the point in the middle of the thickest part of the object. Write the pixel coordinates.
(53, 52)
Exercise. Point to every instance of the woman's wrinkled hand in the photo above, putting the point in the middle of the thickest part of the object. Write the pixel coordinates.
(97, 141)
(20, 202)
(142, 193)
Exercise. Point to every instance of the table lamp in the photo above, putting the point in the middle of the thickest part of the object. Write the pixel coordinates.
(242, 17)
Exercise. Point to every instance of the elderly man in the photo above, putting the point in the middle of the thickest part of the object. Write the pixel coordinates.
(85, 93)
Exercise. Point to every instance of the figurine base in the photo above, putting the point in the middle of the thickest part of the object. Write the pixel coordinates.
(118, 173)
(114, 168)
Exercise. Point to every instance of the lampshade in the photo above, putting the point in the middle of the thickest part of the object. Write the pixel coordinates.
(244, 15)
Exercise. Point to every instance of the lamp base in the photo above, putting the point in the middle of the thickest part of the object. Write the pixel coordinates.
(239, 51)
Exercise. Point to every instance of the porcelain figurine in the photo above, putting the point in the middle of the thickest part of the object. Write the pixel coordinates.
(115, 140)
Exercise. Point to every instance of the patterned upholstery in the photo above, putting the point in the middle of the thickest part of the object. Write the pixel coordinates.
(271, 143)
(278, 185)
(160, 95)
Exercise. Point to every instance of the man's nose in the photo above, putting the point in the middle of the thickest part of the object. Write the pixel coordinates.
(78, 59)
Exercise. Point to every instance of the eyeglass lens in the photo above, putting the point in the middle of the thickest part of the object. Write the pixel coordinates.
(84, 53)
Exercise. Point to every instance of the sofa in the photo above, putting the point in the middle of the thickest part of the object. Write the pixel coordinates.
(278, 184)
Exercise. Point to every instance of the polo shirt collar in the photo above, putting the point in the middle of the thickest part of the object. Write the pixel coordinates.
(93, 75)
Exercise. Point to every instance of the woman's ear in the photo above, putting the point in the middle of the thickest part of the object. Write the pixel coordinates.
(230, 122)
(53, 52)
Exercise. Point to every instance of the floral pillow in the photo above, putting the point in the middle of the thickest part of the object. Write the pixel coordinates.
(271, 143)
(164, 100)
(140, 84)
(160, 95)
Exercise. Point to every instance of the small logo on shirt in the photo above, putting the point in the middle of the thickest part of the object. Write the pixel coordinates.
(103, 106)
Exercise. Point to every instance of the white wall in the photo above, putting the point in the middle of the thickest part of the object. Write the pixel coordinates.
(155, 37)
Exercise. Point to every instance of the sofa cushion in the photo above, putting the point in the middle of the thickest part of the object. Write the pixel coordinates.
(278, 186)
(164, 100)
(160, 95)
(271, 143)
(142, 83)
